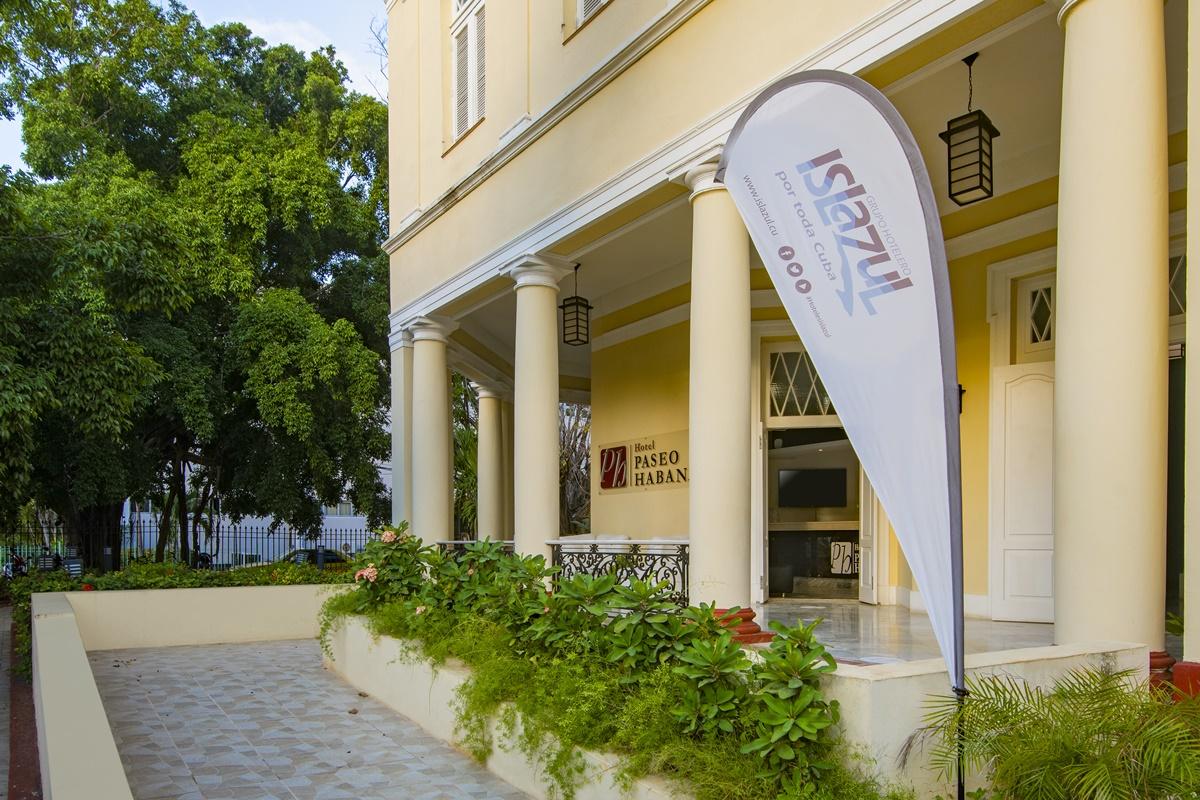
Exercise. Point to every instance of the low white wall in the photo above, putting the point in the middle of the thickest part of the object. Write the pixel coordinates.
(116, 620)
(385, 670)
(77, 753)
(883, 704)
(75, 744)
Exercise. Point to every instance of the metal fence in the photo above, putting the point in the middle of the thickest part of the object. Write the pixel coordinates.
(223, 545)
(654, 560)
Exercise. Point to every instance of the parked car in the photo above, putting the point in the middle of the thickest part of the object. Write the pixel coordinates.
(334, 559)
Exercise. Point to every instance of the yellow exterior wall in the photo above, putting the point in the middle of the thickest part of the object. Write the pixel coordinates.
(640, 388)
(685, 79)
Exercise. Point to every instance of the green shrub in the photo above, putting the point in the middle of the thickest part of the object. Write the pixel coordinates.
(150, 575)
(597, 664)
(1095, 735)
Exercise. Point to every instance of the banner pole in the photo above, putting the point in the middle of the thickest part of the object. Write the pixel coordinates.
(960, 771)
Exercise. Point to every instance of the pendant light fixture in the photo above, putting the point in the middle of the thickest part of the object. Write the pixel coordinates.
(969, 149)
(576, 312)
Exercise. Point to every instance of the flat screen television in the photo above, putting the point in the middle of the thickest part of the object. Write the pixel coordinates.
(812, 488)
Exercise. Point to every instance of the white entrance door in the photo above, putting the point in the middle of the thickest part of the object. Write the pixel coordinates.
(1021, 553)
(868, 590)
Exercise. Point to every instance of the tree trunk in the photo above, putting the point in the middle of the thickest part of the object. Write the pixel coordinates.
(164, 526)
(97, 528)
(198, 516)
(181, 503)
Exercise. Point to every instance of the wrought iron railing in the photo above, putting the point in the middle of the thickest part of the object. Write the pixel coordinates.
(218, 545)
(656, 560)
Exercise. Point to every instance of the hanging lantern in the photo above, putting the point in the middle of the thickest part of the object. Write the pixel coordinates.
(969, 150)
(575, 312)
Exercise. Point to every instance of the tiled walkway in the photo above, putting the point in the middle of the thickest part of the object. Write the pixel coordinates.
(265, 721)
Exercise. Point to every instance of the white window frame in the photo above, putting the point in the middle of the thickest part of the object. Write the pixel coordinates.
(582, 16)
(773, 421)
(1026, 351)
(466, 18)
(1177, 323)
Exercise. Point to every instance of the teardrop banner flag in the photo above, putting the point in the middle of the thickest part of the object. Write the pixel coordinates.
(831, 185)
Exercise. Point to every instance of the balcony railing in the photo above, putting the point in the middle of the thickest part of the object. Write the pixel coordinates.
(655, 560)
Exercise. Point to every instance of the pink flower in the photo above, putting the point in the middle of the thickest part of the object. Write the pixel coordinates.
(419, 610)
(545, 609)
(388, 537)
(368, 573)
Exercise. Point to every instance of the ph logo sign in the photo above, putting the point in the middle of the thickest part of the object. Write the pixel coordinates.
(614, 467)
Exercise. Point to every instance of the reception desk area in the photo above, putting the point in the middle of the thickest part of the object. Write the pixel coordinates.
(813, 515)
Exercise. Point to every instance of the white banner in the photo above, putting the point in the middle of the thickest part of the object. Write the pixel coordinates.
(834, 192)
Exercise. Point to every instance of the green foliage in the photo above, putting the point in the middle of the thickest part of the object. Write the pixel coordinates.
(144, 575)
(1094, 735)
(196, 281)
(1174, 624)
(791, 717)
(601, 665)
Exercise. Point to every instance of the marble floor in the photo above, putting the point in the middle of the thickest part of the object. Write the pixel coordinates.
(265, 720)
(855, 631)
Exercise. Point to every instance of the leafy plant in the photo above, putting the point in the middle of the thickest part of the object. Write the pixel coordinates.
(607, 665)
(791, 718)
(717, 669)
(1094, 735)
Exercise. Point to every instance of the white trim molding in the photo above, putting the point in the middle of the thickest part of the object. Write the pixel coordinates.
(399, 338)
(528, 129)
(699, 174)
(978, 606)
(867, 44)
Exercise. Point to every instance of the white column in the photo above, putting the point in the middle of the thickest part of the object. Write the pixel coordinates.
(1110, 393)
(506, 410)
(718, 396)
(402, 372)
(1191, 425)
(489, 465)
(432, 459)
(535, 402)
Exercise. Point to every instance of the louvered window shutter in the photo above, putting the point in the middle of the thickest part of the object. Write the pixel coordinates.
(462, 83)
(480, 63)
(589, 7)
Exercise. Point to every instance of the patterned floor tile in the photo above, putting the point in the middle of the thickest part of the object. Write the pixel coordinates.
(264, 721)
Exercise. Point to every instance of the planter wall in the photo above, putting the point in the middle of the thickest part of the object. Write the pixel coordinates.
(881, 704)
(391, 673)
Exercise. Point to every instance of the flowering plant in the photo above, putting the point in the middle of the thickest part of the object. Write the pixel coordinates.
(391, 566)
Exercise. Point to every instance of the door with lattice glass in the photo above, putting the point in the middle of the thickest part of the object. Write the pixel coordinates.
(796, 398)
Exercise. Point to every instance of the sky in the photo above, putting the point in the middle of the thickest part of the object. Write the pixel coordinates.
(305, 24)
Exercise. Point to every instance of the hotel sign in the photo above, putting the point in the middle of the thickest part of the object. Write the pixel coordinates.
(655, 462)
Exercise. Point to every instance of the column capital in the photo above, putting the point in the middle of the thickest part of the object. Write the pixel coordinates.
(486, 391)
(533, 269)
(432, 328)
(398, 337)
(700, 172)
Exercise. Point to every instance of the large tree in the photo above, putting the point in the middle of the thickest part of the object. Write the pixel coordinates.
(191, 282)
